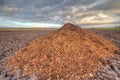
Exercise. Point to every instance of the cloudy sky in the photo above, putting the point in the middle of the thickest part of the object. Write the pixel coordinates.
(54, 13)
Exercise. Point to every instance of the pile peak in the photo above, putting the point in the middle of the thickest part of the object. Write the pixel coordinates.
(63, 54)
(70, 26)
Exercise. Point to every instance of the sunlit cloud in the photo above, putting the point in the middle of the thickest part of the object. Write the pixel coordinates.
(97, 19)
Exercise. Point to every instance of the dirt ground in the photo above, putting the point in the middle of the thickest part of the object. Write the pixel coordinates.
(112, 35)
(11, 41)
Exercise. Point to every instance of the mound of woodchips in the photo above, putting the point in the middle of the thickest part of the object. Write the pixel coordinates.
(68, 53)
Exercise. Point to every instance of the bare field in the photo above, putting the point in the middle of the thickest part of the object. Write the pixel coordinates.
(111, 35)
(13, 40)
(27, 29)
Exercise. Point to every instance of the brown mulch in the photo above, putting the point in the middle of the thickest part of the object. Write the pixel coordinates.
(68, 53)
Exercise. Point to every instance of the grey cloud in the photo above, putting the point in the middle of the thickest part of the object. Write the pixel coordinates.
(107, 6)
(2, 2)
(57, 10)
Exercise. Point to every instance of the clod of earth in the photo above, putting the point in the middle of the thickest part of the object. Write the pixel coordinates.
(67, 53)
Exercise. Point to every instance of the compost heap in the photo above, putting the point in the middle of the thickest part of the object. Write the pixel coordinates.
(67, 53)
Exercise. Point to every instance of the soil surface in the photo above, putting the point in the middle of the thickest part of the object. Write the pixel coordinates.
(111, 35)
(11, 41)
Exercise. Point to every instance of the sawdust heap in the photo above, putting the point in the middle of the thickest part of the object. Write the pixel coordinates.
(67, 53)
